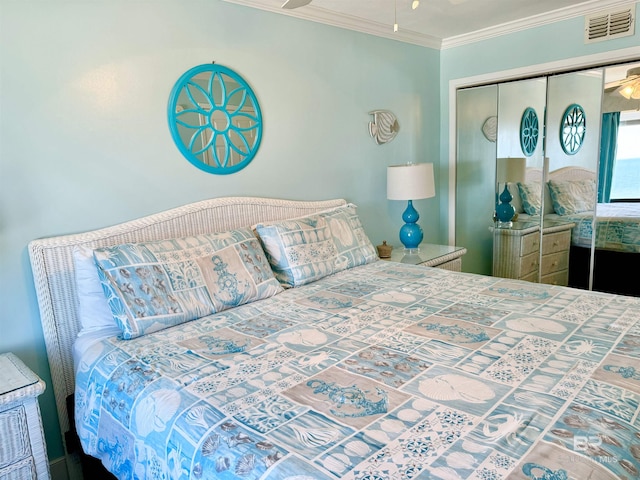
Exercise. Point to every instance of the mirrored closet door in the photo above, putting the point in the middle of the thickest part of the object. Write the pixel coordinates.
(574, 105)
(519, 173)
(552, 163)
(477, 110)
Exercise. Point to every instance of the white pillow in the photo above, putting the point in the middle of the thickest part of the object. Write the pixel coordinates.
(93, 309)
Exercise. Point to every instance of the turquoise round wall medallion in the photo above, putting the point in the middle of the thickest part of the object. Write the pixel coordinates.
(215, 119)
(529, 131)
(573, 129)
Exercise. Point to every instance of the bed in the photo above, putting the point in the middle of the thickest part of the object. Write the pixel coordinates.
(355, 368)
(569, 198)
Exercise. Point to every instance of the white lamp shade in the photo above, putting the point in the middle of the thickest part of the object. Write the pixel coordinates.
(411, 181)
(511, 170)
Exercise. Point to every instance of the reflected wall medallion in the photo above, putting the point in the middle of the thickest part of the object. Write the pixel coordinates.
(529, 131)
(215, 119)
(490, 128)
(573, 129)
(384, 127)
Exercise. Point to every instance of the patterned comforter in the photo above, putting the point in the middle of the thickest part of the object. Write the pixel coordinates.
(617, 227)
(385, 371)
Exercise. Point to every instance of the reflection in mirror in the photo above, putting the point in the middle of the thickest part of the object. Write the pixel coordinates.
(617, 242)
(521, 107)
(476, 110)
(572, 146)
(215, 119)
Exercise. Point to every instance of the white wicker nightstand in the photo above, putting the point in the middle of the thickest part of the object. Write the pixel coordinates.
(431, 255)
(22, 447)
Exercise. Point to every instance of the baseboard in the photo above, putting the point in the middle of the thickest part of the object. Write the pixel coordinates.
(58, 469)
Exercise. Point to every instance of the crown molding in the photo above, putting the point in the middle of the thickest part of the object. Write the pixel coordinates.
(561, 14)
(350, 22)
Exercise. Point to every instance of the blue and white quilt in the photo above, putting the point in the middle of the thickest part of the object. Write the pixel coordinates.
(617, 227)
(383, 371)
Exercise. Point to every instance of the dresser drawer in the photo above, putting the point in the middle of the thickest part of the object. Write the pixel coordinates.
(557, 278)
(556, 242)
(554, 262)
(23, 470)
(14, 436)
(529, 264)
(530, 243)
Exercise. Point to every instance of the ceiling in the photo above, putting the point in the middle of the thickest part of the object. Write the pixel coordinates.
(439, 23)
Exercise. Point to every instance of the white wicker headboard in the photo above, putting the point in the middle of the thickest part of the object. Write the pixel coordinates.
(572, 173)
(54, 276)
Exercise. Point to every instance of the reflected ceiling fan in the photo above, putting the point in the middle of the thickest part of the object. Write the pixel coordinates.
(628, 87)
(291, 4)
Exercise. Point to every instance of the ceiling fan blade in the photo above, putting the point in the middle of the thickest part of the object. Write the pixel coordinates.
(291, 4)
(633, 74)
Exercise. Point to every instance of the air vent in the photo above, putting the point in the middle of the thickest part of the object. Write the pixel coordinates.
(608, 25)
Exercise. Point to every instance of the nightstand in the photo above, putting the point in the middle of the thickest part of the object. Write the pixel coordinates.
(22, 447)
(516, 252)
(431, 255)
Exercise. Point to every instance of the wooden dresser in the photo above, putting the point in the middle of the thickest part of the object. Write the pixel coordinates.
(516, 252)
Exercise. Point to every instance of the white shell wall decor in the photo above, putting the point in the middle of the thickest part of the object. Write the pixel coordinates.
(384, 126)
(489, 128)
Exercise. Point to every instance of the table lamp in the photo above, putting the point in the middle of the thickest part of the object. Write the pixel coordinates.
(509, 170)
(411, 181)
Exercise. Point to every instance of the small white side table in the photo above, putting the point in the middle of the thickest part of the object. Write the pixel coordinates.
(431, 255)
(23, 453)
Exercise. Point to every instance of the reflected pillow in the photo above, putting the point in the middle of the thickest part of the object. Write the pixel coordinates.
(572, 196)
(154, 285)
(309, 248)
(530, 197)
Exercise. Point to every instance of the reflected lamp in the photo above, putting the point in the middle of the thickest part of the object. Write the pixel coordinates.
(412, 181)
(509, 170)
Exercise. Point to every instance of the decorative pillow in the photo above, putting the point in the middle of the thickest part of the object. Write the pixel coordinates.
(155, 285)
(572, 196)
(306, 249)
(530, 195)
(93, 310)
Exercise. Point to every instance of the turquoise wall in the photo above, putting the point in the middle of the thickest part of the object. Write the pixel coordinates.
(84, 141)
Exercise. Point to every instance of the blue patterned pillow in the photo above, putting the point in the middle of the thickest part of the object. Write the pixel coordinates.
(306, 249)
(154, 285)
(530, 197)
(572, 196)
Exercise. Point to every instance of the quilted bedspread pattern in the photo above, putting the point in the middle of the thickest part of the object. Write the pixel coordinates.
(385, 371)
(617, 227)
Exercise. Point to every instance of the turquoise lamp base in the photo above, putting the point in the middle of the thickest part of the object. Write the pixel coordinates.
(411, 234)
(505, 211)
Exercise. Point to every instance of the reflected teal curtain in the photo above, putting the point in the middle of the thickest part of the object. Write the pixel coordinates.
(608, 145)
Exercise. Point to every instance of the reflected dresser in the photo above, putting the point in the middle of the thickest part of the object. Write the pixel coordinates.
(517, 254)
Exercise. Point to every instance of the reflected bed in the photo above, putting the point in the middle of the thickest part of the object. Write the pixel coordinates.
(617, 225)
